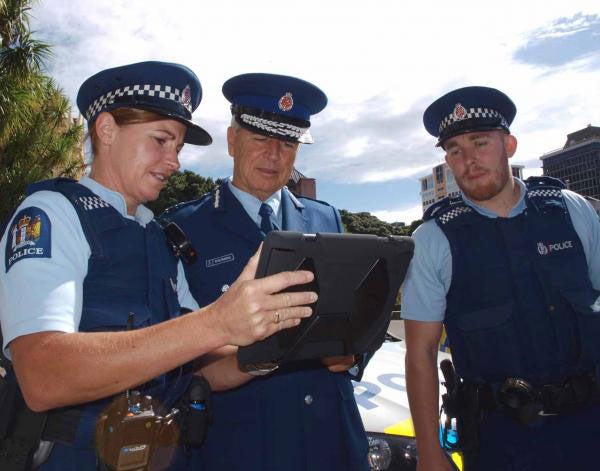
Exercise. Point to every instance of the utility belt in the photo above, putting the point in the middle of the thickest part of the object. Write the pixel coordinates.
(132, 433)
(465, 405)
(526, 402)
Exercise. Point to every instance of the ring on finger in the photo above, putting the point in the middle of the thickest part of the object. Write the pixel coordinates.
(277, 317)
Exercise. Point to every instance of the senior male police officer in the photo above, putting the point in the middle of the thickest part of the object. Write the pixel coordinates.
(512, 269)
(303, 416)
(85, 259)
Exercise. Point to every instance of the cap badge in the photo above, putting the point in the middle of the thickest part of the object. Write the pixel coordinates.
(459, 112)
(186, 98)
(286, 102)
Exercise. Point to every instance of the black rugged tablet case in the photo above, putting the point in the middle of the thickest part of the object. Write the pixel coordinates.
(357, 277)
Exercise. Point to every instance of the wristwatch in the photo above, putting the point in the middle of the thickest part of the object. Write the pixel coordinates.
(260, 369)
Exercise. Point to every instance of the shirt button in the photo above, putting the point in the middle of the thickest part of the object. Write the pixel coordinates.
(308, 399)
(224, 288)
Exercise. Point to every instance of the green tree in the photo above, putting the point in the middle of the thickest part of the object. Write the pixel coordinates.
(182, 186)
(38, 137)
(366, 223)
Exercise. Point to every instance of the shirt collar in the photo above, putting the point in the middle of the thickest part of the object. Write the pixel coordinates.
(517, 209)
(142, 214)
(252, 204)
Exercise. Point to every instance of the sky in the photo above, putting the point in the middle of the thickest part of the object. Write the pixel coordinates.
(381, 63)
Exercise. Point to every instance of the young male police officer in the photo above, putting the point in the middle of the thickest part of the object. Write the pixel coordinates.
(86, 259)
(512, 269)
(303, 416)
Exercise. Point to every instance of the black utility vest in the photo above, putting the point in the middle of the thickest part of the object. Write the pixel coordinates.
(131, 270)
(521, 302)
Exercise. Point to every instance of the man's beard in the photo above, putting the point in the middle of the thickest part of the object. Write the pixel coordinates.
(486, 191)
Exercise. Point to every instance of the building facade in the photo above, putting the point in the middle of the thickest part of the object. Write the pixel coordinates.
(578, 162)
(441, 183)
(302, 185)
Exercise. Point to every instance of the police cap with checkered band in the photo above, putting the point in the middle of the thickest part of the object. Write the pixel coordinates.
(468, 109)
(168, 89)
(277, 106)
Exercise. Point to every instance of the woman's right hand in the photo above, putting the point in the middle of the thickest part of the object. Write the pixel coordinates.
(252, 309)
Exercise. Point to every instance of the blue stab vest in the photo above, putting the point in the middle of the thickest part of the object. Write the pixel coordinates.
(131, 270)
(520, 301)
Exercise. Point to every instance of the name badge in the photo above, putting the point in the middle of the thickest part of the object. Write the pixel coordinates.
(213, 262)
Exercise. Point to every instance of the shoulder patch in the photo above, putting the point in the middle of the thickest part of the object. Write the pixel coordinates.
(28, 236)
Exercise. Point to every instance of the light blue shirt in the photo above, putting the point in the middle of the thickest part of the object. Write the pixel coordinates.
(430, 272)
(251, 204)
(46, 294)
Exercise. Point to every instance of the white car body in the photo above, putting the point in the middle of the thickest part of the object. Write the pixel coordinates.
(381, 394)
(383, 402)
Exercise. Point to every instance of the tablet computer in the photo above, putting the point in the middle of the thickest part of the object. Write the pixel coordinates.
(357, 278)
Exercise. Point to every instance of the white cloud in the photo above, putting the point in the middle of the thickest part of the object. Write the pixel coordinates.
(406, 215)
(380, 63)
(356, 146)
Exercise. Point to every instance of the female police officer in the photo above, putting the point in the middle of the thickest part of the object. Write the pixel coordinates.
(90, 294)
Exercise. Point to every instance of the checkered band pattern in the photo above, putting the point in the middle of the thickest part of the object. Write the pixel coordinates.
(448, 216)
(470, 114)
(282, 129)
(544, 193)
(161, 91)
(93, 202)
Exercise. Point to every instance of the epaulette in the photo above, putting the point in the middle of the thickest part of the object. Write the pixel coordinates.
(537, 182)
(308, 198)
(170, 211)
(544, 187)
(447, 209)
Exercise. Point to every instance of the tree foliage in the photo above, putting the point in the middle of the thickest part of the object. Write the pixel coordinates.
(187, 186)
(182, 186)
(38, 137)
(366, 223)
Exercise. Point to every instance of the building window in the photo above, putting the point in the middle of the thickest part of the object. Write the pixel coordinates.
(439, 173)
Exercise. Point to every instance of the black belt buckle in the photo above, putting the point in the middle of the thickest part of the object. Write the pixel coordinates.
(521, 399)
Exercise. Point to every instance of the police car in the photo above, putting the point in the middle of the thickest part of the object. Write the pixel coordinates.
(383, 405)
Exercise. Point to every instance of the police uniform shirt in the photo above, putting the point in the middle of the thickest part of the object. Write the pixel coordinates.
(45, 294)
(252, 204)
(430, 272)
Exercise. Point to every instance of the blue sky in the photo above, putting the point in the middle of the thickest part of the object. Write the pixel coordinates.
(381, 63)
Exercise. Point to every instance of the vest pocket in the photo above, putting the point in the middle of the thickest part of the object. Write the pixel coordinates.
(586, 305)
(487, 345)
